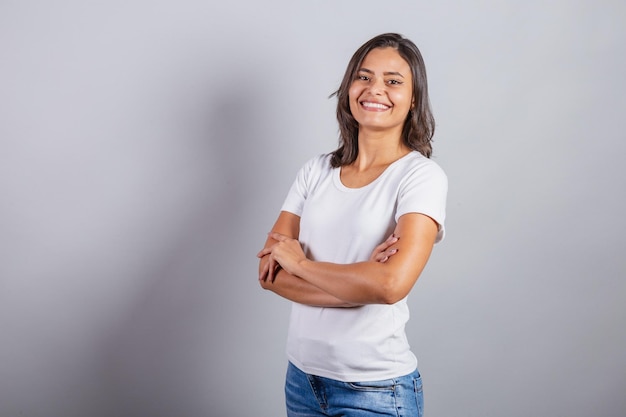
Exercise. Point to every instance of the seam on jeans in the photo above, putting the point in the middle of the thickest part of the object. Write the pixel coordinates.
(395, 401)
(417, 387)
(417, 392)
(319, 396)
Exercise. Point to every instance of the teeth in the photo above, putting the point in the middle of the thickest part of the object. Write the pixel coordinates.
(375, 105)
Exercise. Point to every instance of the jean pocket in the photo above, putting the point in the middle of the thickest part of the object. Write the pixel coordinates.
(384, 385)
(417, 384)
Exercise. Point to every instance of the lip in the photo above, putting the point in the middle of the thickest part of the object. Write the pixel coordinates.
(374, 105)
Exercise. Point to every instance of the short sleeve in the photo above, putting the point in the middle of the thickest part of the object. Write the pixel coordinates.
(424, 190)
(301, 187)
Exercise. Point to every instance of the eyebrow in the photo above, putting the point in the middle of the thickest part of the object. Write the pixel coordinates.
(384, 73)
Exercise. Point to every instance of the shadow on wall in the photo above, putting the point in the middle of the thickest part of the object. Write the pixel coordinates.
(170, 355)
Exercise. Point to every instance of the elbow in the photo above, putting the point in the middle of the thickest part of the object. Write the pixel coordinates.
(392, 291)
(390, 297)
(265, 284)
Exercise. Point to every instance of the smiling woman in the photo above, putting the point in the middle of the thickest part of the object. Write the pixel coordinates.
(418, 127)
(347, 347)
(381, 96)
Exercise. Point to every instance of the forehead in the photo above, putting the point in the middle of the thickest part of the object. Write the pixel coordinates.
(385, 60)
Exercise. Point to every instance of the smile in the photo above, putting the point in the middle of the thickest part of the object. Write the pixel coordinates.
(377, 106)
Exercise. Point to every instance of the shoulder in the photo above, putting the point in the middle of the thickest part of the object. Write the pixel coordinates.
(313, 170)
(317, 164)
(321, 161)
(415, 165)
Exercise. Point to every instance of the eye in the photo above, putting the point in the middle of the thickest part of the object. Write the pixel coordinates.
(363, 77)
(394, 82)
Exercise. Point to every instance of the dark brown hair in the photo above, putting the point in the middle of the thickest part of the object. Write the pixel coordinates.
(419, 126)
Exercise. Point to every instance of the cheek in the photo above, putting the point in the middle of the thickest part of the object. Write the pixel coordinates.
(403, 99)
(353, 109)
(353, 95)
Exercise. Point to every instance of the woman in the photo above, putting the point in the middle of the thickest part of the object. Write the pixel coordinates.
(347, 349)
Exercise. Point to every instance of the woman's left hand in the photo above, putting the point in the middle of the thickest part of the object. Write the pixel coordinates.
(286, 253)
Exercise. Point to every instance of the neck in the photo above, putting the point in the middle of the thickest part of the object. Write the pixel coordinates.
(379, 148)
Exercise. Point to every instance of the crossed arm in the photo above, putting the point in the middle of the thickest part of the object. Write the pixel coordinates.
(385, 278)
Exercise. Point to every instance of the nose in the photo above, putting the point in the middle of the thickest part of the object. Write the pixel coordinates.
(377, 86)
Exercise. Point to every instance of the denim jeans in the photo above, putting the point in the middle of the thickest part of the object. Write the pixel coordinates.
(316, 396)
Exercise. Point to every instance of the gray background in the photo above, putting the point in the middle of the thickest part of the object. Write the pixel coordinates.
(146, 148)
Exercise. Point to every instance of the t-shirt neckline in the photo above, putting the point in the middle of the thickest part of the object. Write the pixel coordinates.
(340, 185)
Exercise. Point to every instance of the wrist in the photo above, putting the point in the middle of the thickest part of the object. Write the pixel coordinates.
(302, 268)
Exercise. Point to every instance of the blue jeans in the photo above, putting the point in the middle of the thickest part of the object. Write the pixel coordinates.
(316, 396)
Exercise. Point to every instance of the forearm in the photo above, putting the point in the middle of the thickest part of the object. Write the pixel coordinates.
(367, 282)
(300, 291)
(358, 283)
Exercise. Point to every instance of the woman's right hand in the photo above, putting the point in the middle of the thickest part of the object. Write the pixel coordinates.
(385, 250)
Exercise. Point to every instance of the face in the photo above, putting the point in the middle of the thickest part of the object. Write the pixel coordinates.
(381, 93)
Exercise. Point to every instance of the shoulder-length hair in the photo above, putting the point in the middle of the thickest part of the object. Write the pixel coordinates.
(419, 125)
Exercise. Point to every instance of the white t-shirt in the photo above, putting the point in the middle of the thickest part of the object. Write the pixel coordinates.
(343, 225)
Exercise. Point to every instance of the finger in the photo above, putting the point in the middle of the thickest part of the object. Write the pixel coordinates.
(272, 267)
(378, 250)
(384, 256)
(264, 251)
(388, 242)
(391, 240)
(276, 270)
(379, 256)
(263, 273)
(381, 248)
(277, 236)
